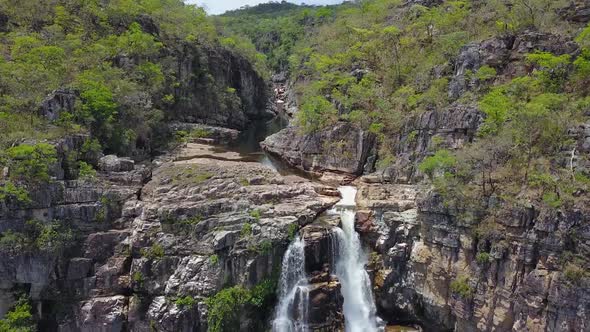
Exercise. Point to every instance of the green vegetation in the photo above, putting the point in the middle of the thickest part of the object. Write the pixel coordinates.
(86, 171)
(483, 258)
(111, 56)
(138, 278)
(460, 286)
(36, 236)
(292, 230)
(214, 259)
(230, 305)
(256, 214)
(156, 251)
(246, 230)
(19, 318)
(28, 167)
(186, 302)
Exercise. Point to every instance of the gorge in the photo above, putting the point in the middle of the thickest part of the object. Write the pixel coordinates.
(378, 165)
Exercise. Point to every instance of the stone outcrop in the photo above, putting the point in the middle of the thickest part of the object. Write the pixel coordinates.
(343, 148)
(425, 133)
(217, 87)
(504, 54)
(198, 225)
(518, 284)
(62, 100)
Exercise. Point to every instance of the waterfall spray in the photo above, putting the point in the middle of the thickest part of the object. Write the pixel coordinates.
(292, 312)
(359, 306)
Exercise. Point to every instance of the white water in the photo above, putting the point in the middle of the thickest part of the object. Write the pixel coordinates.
(292, 312)
(359, 306)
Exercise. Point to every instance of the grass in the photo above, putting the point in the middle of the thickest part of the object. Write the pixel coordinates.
(187, 174)
(256, 214)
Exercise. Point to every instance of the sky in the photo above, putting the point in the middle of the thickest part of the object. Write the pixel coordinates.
(220, 6)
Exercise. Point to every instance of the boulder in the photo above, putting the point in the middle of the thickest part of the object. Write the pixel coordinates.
(112, 163)
(61, 100)
(343, 148)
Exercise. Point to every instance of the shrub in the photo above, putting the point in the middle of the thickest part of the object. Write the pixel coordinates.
(483, 258)
(138, 278)
(255, 214)
(442, 160)
(30, 163)
(461, 287)
(224, 308)
(185, 302)
(86, 171)
(292, 231)
(214, 259)
(246, 230)
(10, 191)
(228, 305)
(19, 318)
(156, 251)
(573, 272)
(486, 73)
(265, 247)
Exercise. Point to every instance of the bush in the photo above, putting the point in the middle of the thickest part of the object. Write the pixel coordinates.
(214, 259)
(36, 236)
(138, 278)
(292, 231)
(156, 251)
(10, 191)
(246, 230)
(483, 258)
(185, 302)
(461, 287)
(229, 305)
(86, 171)
(574, 273)
(442, 160)
(255, 214)
(19, 318)
(225, 307)
(30, 163)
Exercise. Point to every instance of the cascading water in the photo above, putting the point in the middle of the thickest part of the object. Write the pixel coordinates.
(359, 306)
(293, 309)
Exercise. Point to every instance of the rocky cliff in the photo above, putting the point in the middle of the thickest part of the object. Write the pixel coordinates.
(145, 237)
(451, 273)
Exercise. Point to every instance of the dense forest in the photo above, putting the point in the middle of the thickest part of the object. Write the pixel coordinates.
(484, 103)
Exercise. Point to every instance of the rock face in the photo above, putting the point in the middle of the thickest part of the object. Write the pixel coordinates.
(196, 226)
(520, 285)
(326, 301)
(505, 55)
(217, 87)
(342, 149)
(423, 134)
(63, 100)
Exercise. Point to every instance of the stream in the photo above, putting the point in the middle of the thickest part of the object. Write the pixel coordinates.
(349, 258)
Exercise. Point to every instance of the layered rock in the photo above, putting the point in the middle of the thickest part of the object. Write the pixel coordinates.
(199, 224)
(519, 283)
(504, 54)
(217, 87)
(423, 134)
(343, 148)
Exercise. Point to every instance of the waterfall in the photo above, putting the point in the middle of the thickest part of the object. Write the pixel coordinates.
(293, 308)
(359, 306)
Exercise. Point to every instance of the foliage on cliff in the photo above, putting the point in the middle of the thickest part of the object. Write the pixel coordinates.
(115, 57)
